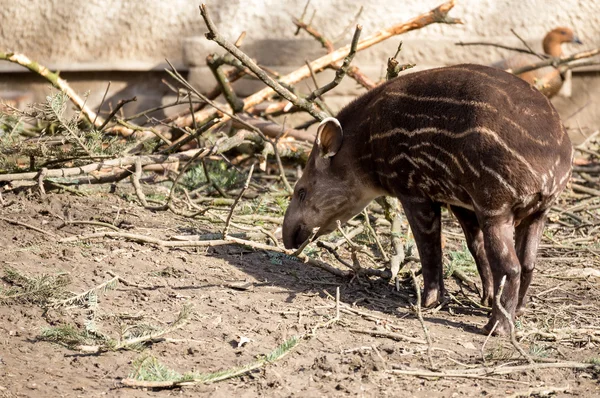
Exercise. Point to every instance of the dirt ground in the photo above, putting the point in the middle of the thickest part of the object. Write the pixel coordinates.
(240, 294)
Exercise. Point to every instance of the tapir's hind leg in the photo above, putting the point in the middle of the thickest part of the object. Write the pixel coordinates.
(424, 218)
(498, 235)
(470, 226)
(527, 238)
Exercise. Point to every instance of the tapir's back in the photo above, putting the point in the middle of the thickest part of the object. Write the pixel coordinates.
(466, 134)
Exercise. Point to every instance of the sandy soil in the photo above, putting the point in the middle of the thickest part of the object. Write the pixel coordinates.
(238, 292)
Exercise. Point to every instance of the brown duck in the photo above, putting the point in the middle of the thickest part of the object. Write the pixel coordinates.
(548, 80)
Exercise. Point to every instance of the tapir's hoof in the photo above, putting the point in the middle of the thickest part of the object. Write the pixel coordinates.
(487, 301)
(431, 298)
(520, 310)
(502, 329)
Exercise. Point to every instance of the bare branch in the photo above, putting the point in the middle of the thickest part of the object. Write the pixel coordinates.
(56, 81)
(341, 72)
(527, 45)
(215, 66)
(393, 66)
(101, 103)
(555, 61)
(214, 35)
(502, 46)
(437, 15)
(235, 202)
(121, 104)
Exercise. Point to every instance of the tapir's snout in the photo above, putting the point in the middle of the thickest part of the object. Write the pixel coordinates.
(294, 233)
(292, 237)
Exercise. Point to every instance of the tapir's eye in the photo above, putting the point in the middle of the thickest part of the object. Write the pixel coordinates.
(563, 32)
(301, 194)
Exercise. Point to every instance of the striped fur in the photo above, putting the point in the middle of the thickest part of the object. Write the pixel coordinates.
(470, 137)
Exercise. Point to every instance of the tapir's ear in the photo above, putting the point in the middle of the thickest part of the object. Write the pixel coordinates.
(329, 137)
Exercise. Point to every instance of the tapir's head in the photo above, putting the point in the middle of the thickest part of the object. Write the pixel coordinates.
(332, 187)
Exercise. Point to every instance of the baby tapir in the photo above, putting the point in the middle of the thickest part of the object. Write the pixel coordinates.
(477, 139)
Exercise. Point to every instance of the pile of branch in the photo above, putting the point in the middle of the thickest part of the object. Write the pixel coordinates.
(104, 149)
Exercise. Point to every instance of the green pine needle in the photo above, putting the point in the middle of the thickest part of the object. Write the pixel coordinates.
(149, 369)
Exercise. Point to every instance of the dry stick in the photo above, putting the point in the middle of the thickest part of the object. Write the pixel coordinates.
(462, 278)
(563, 334)
(209, 243)
(194, 124)
(217, 107)
(62, 85)
(390, 335)
(333, 251)
(144, 239)
(527, 45)
(511, 324)
(394, 67)
(132, 128)
(353, 246)
(101, 103)
(302, 16)
(482, 372)
(178, 101)
(313, 75)
(354, 250)
(40, 180)
(232, 75)
(318, 100)
(583, 63)
(584, 189)
(300, 249)
(487, 338)
(235, 202)
(274, 130)
(226, 89)
(181, 80)
(437, 15)
(83, 222)
(339, 73)
(392, 214)
(214, 35)
(555, 61)
(22, 224)
(482, 43)
(284, 179)
(195, 136)
(337, 303)
(333, 320)
(55, 80)
(244, 228)
(374, 234)
(118, 162)
(420, 317)
(354, 72)
(118, 107)
(135, 181)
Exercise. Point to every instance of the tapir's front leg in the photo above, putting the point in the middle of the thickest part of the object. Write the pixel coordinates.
(424, 217)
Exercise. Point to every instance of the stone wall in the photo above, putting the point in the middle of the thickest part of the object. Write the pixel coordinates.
(122, 40)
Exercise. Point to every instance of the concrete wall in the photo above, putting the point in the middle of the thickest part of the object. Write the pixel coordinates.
(128, 36)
